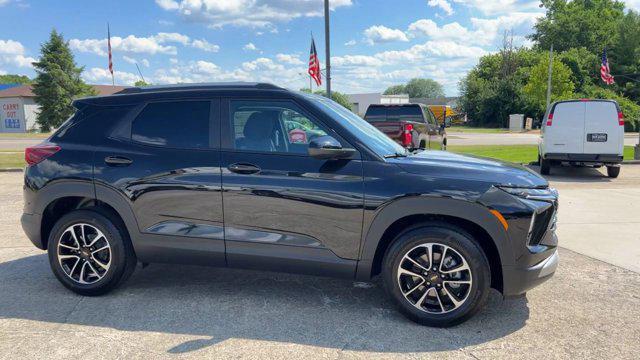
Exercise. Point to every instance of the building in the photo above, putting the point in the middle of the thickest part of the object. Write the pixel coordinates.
(18, 108)
(360, 102)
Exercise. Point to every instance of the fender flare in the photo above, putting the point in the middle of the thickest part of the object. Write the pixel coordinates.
(59, 189)
(419, 205)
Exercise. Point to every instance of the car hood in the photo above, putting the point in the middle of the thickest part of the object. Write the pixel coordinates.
(447, 164)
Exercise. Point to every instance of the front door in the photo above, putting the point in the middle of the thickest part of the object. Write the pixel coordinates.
(284, 210)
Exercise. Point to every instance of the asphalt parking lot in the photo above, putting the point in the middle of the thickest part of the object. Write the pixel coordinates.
(589, 309)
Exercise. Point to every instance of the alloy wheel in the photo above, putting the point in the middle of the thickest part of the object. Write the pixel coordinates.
(434, 278)
(84, 253)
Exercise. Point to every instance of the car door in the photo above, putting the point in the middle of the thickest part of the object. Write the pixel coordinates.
(284, 210)
(165, 161)
(435, 134)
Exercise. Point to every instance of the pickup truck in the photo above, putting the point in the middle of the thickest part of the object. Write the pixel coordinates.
(411, 125)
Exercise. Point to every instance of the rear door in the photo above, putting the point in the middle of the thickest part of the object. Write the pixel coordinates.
(565, 135)
(603, 134)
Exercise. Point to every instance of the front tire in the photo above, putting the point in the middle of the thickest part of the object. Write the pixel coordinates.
(90, 252)
(613, 171)
(436, 274)
(545, 166)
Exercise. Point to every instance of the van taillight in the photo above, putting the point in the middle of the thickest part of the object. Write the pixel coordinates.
(35, 154)
(620, 118)
(549, 119)
(407, 138)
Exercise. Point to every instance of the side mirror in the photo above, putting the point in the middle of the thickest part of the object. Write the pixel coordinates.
(326, 147)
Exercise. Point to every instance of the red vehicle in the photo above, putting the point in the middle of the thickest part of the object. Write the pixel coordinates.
(411, 125)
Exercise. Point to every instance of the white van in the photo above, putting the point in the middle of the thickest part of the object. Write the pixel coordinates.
(582, 133)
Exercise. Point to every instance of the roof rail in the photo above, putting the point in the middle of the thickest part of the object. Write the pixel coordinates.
(197, 86)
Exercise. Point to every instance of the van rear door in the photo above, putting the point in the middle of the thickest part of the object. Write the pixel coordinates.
(603, 134)
(565, 135)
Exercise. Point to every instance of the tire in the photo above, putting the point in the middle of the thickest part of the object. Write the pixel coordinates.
(423, 145)
(444, 145)
(613, 171)
(106, 268)
(470, 297)
(545, 166)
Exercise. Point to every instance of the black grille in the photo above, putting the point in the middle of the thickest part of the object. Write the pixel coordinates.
(540, 225)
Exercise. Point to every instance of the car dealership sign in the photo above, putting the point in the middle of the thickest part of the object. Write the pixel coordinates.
(11, 116)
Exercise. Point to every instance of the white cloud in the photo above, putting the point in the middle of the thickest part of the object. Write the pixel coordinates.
(442, 4)
(289, 59)
(492, 7)
(204, 45)
(103, 76)
(145, 62)
(172, 38)
(250, 47)
(173, 61)
(251, 13)
(382, 34)
(262, 64)
(14, 53)
(350, 43)
(131, 60)
(355, 60)
(4, 2)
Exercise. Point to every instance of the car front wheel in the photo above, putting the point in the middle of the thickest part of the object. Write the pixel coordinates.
(437, 275)
(90, 252)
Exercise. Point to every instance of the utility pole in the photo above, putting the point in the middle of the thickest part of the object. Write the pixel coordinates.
(549, 80)
(327, 45)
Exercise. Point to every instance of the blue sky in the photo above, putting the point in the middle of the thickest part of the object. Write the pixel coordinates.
(375, 44)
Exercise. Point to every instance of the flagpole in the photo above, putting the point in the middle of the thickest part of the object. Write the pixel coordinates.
(327, 46)
(113, 80)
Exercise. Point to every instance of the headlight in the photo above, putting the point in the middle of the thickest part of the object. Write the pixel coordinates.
(547, 194)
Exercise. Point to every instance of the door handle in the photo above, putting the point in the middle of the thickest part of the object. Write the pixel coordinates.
(117, 161)
(240, 168)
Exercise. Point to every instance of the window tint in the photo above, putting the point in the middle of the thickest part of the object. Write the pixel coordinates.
(277, 126)
(430, 117)
(180, 124)
(376, 111)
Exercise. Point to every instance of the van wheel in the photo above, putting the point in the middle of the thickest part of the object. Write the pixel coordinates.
(545, 166)
(613, 171)
(436, 274)
(89, 252)
(423, 145)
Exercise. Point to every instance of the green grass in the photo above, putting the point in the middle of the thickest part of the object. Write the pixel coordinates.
(24, 135)
(11, 159)
(466, 129)
(522, 154)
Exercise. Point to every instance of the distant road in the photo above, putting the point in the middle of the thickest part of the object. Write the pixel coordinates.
(453, 139)
(509, 139)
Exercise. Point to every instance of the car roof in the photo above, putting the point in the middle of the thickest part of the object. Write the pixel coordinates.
(137, 94)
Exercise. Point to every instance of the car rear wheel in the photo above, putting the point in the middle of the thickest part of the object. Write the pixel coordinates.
(613, 171)
(437, 275)
(90, 252)
(545, 166)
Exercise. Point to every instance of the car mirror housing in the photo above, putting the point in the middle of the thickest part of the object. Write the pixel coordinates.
(326, 147)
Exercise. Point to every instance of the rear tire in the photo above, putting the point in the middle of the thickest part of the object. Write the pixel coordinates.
(613, 171)
(440, 295)
(90, 252)
(545, 166)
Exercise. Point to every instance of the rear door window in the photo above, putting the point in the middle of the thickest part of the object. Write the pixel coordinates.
(177, 124)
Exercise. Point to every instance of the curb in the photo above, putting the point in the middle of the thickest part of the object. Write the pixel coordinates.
(11, 170)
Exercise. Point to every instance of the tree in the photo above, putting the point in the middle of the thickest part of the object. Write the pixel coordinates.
(141, 83)
(424, 88)
(395, 90)
(576, 23)
(338, 97)
(15, 79)
(536, 88)
(625, 56)
(57, 82)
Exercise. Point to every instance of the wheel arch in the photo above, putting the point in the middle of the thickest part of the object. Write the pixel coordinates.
(403, 213)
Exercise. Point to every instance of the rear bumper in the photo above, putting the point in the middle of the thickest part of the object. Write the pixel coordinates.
(31, 226)
(585, 158)
(518, 280)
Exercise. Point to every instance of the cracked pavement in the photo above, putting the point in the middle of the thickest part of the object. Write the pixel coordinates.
(589, 309)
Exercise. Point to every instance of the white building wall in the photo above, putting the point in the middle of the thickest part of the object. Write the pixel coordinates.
(31, 110)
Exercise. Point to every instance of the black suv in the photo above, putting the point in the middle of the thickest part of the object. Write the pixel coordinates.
(211, 175)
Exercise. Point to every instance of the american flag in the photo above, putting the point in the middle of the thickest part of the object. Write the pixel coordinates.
(605, 73)
(314, 64)
(109, 46)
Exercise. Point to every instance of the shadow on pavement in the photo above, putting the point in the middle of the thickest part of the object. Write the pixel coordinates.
(221, 304)
(570, 174)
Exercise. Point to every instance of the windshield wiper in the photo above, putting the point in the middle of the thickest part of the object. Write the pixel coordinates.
(394, 155)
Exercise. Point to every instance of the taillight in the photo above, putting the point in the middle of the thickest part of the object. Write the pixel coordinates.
(35, 154)
(549, 119)
(620, 118)
(407, 138)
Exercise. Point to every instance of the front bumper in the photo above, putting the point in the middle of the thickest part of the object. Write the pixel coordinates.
(518, 280)
(31, 226)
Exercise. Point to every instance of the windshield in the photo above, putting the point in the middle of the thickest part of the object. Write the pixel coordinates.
(373, 138)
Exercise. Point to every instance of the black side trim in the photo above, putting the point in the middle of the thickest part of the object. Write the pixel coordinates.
(608, 158)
